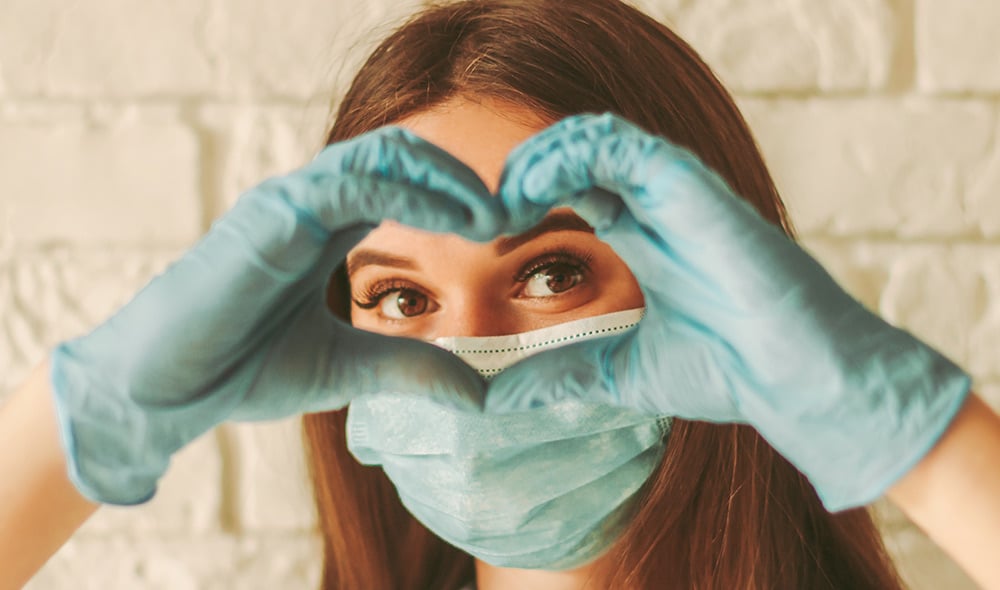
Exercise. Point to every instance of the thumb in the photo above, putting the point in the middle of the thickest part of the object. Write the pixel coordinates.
(654, 369)
(573, 372)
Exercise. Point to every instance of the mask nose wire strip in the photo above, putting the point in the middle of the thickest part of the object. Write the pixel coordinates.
(490, 355)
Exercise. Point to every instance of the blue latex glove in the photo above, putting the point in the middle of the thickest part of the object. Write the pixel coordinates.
(742, 325)
(237, 328)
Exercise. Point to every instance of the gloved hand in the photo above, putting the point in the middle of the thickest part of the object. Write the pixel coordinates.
(742, 325)
(237, 328)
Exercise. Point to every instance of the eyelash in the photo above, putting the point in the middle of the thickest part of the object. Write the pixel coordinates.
(580, 261)
(372, 294)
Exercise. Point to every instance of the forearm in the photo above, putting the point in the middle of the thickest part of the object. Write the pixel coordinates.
(39, 507)
(953, 494)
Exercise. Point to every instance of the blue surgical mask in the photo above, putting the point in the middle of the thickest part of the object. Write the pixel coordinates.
(546, 488)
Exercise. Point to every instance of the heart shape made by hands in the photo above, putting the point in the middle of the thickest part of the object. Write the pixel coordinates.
(614, 176)
(737, 313)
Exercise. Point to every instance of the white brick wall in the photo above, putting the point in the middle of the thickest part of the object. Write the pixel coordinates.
(126, 127)
(888, 166)
(89, 175)
(788, 46)
(956, 46)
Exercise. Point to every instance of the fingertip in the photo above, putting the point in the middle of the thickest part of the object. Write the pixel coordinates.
(521, 214)
(484, 221)
(599, 208)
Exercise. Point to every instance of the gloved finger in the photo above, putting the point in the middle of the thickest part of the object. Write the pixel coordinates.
(388, 173)
(565, 165)
(555, 168)
(334, 362)
(579, 153)
(686, 211)
(572, 372)
(207, 312)
(377, 363)
(363, 363)
(661, 369)
(449, 196)
(286, 236)
(408, 366)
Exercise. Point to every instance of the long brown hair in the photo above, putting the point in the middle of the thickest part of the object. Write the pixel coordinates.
(723, 510)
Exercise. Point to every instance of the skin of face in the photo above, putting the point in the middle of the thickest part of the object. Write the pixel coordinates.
(411, 283)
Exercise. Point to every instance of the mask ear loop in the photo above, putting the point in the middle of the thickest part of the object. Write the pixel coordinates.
(666, 425)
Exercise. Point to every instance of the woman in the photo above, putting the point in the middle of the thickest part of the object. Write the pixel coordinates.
(721, 509)
(554, 60)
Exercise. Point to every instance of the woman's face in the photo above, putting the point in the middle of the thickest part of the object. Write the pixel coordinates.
(408, 282)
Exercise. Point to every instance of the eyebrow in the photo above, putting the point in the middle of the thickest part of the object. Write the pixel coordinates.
(361, 258)
(559, 221)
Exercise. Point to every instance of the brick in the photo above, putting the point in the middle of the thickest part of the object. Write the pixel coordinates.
(983, 298)
(946, 295)
(937, 296)
(989, 392)
(210, 562)
(787, 46)
(923, 565)
(48, 295)
(981, 203)
(274, 488)
(251, 143)
(300, 49)
(125, 176)
(105, 48)
(956, 48)
(881, 167)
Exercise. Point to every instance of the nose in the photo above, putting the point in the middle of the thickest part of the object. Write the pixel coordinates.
(474, 314)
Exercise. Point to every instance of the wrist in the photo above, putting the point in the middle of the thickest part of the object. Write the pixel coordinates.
(101, 438)
(951, 492)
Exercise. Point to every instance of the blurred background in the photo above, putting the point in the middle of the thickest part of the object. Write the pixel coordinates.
(126, 127)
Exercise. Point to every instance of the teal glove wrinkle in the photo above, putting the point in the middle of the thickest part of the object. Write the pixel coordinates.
(742, 325)
(237, 328)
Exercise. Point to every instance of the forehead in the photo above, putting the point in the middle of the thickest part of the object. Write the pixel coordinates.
(479, 133)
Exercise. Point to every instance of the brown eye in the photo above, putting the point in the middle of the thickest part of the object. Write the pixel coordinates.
(403, 303)
(552, 280)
